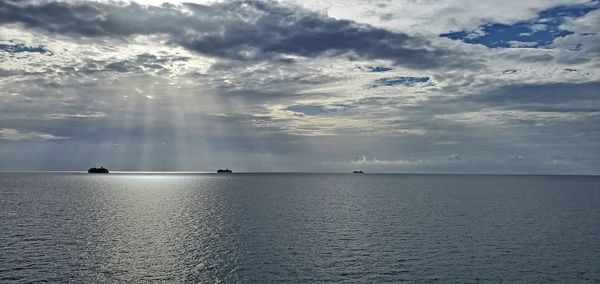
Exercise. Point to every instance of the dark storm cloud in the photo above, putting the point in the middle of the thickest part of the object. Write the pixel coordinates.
(234, 30)
(89, 19)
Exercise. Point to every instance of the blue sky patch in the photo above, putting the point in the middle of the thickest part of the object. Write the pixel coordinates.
(538, 32)
(396, 81)
(17, 48)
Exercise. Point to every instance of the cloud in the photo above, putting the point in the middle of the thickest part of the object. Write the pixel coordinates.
(510, 71)
(271, 86)
(517, 158)
(317, 109)
(519, 44)
(378, 68)
(588, 23)
(551, 94)
(578, 49)
(244, 31)
(15, 135)
(363, 160)
(435, 17)
(513, 117)
(455, 157)
(97, 114)
(400, 80)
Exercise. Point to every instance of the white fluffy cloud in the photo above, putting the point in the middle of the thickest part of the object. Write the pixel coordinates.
(433, 17)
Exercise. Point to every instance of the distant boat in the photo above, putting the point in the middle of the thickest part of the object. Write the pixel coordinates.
(225, 171)
(358, 172)
(100, 170)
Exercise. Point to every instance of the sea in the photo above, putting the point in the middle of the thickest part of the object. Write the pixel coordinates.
(299, 228)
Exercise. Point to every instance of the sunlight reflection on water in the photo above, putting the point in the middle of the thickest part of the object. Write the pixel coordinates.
(298, 227)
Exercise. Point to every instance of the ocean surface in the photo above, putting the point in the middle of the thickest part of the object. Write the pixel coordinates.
(75, 227)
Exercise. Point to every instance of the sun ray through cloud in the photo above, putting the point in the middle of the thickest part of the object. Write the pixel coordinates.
(284, 85)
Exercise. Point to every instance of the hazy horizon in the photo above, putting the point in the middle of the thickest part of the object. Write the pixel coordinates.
(310, 86)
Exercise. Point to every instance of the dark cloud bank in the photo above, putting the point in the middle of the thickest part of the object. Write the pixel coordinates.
(240, 30)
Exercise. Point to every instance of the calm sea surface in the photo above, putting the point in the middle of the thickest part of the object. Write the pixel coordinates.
(298, 228)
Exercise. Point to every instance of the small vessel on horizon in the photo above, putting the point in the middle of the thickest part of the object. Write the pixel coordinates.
(225, 171)
(100, 170)
(358, 172)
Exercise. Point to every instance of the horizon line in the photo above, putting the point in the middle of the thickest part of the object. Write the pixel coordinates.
(298, 172)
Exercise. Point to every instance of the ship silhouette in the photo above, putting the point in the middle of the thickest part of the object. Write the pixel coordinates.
(100, 170)
(225, 171)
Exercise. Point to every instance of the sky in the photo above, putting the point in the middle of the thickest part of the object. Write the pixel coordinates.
(408, 86)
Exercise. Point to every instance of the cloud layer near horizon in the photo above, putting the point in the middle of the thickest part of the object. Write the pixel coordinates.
(276, 86)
